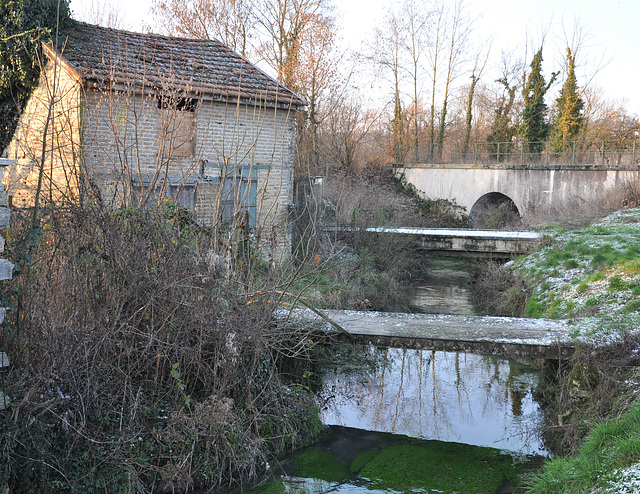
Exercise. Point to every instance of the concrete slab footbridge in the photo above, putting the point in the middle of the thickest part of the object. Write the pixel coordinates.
(458, 242)
(506, 336)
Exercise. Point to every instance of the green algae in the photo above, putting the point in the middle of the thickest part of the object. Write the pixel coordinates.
(394, 463)
(362, 459)
(320, 464)
(441, 466)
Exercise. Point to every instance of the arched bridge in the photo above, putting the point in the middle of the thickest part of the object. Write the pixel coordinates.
(523, 189)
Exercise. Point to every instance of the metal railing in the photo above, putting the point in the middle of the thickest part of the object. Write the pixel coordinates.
(607, 154)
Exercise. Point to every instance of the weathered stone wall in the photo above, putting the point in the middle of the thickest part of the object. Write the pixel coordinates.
(63, 145)
(128, 138)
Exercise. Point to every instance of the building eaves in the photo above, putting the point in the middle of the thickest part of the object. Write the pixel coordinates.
(108, 58)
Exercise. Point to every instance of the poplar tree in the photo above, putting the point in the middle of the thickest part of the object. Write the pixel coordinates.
(535, 128)
(567, 120)
(499, 140)
(26, 23)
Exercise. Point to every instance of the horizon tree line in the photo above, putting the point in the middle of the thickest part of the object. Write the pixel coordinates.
(422, 55)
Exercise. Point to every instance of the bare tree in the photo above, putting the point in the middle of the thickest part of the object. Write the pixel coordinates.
(387, 56)
(416, 14)
(478, 69)
(457, 36)
(229, 21)
(102, 13)
(347, 138)
(318, 75)
(286, 27)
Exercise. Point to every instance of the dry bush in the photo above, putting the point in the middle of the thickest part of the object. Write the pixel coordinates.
(499, 291)
(577, 214)
(138, 366)
(368, 200)
(631, 194)
(595, 383)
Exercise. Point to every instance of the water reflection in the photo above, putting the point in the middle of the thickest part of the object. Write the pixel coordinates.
(445, 288)
(445, 396)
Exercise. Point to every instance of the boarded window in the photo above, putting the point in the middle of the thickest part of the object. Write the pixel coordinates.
(183, 194)
(239, 188)
(177, 128)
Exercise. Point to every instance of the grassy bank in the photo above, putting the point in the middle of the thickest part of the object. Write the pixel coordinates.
(590, 276)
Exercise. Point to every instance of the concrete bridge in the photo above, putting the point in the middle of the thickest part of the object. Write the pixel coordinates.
(522, 189)
(506, 336)
(457, 242)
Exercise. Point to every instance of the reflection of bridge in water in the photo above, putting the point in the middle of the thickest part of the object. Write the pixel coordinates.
(549, 182)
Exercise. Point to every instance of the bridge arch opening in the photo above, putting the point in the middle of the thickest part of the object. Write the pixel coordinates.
(494, 211)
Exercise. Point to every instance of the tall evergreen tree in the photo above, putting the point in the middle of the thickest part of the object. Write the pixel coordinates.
(567, 119)
(25, 24)
(502, 129)
(534, 124)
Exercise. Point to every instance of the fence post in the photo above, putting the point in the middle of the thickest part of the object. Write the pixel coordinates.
(573, 157)
(547, 153)
(498, 153)
(454, 152)
(634, 152)
(475, 153)
(602, 159)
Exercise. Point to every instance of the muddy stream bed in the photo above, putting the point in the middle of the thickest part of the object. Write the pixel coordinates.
(404, 420)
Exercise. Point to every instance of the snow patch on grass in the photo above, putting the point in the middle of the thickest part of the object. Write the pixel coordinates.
(627, 481)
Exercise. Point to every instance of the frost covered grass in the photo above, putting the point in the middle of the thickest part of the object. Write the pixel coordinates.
(592, 277)
(591, 273)
(607, 462)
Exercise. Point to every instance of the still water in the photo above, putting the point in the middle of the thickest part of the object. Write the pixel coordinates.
(445, 288)
(405, 420)
(445, 396)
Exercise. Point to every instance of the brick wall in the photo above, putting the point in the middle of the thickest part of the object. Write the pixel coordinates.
(125, 132)
(63, 145)
(125, 136)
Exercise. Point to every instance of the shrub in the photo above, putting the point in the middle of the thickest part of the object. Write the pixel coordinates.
(137, 364)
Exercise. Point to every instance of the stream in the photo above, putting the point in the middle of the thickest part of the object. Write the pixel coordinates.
(405, 420)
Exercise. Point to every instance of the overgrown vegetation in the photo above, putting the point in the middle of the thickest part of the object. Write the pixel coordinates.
(591, 271)
(364, 270)
(590, 276)
(138, 364)
(606, 462)
(26, 24)
(437, 213)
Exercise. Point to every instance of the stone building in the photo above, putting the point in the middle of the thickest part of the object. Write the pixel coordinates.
(131, 119)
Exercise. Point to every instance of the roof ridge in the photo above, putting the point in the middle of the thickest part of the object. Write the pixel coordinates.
(104, 56)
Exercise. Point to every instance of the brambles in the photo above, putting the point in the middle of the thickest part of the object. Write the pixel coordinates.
(138, 364)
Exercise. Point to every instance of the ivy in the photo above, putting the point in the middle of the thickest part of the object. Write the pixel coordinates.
(26, 24)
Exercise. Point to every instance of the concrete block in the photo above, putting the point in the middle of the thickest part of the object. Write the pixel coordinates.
(6, 270)
(5, 216)
(5, 401)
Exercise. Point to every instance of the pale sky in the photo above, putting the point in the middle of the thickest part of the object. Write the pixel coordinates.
(611, 26)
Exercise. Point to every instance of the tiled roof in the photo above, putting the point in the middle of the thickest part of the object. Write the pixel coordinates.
(104, 57)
